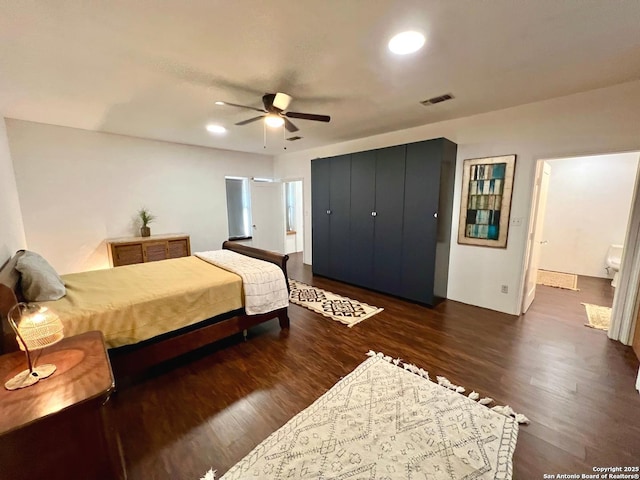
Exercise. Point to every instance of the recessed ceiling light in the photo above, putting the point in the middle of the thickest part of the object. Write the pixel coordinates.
(274, 120)
(219, 103)
(216, 129)
(406, 42)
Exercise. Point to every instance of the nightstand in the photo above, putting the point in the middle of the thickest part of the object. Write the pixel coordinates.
(60, 427)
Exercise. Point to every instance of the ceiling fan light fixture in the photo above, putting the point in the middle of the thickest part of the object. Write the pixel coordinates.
(273, 120)
(281, 101)
(406, 42)
(219, 129)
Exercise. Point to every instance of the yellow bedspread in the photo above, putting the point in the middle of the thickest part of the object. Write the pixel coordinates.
(137, 302)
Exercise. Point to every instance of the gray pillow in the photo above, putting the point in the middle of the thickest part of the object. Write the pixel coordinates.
(38, 280)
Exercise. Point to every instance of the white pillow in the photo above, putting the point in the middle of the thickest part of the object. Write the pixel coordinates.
(38, 280)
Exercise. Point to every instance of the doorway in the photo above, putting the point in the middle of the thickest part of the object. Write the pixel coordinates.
(580, 210)
(294, 217)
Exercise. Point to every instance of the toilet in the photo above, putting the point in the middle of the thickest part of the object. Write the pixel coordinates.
(614, 257)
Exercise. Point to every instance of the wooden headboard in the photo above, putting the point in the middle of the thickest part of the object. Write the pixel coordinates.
(10, 294)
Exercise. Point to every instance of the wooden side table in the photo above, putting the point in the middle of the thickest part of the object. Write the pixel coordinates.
(59, 428)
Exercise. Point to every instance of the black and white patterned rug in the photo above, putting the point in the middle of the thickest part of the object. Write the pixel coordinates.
(342, 309)
(388, 420)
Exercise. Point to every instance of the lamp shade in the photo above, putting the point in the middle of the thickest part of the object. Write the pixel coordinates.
(38, 327)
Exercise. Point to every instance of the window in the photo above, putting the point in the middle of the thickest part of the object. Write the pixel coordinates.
(238, 208)
(290, 205)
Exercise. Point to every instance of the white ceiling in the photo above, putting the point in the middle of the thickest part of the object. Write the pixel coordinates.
(155, 68)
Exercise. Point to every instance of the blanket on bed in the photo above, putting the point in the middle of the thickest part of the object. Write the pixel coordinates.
(263, 283)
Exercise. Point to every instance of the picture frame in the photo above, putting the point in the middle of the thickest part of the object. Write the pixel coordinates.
(485, 204)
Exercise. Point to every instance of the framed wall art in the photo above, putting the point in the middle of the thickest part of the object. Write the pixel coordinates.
(487, 185)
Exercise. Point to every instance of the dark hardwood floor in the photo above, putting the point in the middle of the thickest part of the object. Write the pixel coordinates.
(576, 386)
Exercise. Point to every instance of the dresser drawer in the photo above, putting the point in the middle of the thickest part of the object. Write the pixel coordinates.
(127, 254)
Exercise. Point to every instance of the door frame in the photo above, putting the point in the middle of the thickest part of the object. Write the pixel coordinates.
(304, 217)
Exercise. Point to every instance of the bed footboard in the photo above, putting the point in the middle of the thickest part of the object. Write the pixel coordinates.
(273, 257)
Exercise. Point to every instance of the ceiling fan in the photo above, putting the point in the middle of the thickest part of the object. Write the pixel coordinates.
(274, 113)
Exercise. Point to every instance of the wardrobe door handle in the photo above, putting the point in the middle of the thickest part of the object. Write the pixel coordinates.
(374, 214)
(435, 215)
(328, 212)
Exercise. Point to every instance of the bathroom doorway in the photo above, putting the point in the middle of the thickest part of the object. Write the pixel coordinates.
(584, 211)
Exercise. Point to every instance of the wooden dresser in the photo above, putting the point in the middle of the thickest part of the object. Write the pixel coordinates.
(130, 250)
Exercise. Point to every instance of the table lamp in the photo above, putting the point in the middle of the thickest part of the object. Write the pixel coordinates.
(37, 327)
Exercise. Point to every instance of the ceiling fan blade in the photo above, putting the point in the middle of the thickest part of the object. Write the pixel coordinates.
(288, 124)
(308, 116)
(244, 122)
(244, 106)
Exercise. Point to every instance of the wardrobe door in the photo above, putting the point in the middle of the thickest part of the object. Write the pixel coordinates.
(422, 185)
(320, 209)
(363, 183)
(339, 199)
(389, 201)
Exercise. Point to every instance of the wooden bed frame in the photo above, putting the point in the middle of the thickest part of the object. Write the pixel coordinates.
(131, 359)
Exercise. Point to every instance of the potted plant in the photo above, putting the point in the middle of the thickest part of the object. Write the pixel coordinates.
(146, 217)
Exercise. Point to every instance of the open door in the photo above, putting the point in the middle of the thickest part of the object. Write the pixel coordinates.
(536, 227)
(267, 212)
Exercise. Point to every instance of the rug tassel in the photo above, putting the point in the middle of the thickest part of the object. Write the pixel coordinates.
(474, 395)
(371, 353)
(210, 475)
(397, 361)
(485, 401)
(387, 358)
(444, 382)
(507, 411)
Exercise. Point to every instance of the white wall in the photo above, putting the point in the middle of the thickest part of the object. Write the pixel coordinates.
(79, 187)
(11, 228)
(600, 121)
(587, 210)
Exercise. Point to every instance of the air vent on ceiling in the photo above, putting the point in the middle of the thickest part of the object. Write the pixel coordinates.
(293, 139)
(434, 100)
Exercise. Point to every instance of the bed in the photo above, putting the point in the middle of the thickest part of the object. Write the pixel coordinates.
(183, 304)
